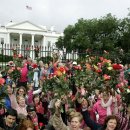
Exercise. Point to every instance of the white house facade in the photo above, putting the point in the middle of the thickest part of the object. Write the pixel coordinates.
(27, 33)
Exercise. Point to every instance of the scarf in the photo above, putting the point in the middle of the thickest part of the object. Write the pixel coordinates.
(107, 105)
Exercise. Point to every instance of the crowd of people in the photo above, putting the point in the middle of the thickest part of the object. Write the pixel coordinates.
(26, 107)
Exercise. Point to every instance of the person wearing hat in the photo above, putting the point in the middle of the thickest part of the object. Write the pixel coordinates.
(32, 116)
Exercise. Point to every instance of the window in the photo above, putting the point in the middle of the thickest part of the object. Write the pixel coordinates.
(2, 40)
(15, 39)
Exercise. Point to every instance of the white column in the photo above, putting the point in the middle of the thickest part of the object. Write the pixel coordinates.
(20, 42)
(8, 44)
(32, 43)
(44, 41)
(44, 44)
(32, 47)
(8, 38)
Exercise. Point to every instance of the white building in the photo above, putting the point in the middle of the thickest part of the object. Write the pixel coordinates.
(27, 33)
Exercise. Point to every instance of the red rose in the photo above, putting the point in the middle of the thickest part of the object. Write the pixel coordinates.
(34, 66)
(41, 124)
(117, 66)
(98, 70)
(62, 69)
(121, 90)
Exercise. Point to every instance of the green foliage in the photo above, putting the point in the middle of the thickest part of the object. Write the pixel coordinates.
(15, 74)
(5, 58)
(57, 85)
(45, 59)
(92, 72)
(105, 33)
(3, 93)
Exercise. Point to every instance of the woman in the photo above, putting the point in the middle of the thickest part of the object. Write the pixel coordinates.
(105, 106)
(32, 116)
(110, 123)
(21, 107)
(56, 120)
(26, 124)
(24, 73)
(10, 99)
(88, 116)
(21, 91)
(39, 109)
(41, 69)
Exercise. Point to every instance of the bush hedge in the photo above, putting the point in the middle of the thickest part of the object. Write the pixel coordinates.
(45, 59)
(5, 58)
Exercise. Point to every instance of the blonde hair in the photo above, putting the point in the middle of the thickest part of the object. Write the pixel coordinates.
(19, 97)
(26, 123)
(76, 114)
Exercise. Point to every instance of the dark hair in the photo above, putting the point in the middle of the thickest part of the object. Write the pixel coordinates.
(11, 112)
(113, 117)
(35, 96)
(21, 87)
(127, 99)
(30, 108)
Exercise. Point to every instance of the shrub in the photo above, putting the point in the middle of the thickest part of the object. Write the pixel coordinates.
(45, 59)
(5, 58)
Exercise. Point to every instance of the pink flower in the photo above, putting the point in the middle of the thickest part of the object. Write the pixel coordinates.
(2, 81)
(20, 56)
(11, 64)
(106, 77)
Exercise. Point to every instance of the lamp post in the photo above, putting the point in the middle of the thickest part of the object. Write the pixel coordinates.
(2, 51)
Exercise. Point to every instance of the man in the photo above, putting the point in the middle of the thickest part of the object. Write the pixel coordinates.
(9, 123)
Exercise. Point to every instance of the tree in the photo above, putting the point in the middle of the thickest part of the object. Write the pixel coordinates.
(106, 33)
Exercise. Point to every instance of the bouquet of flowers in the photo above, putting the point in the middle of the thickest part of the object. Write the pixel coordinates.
(14, 73)
(95, 73)
(57, 82)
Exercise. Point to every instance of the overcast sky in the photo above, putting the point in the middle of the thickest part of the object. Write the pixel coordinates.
(60, 13)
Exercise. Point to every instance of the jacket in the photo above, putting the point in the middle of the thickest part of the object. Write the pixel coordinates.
(90, 123)
(5, 127)
(57, 122)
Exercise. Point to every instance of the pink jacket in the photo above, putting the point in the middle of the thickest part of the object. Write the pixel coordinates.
(21, 110)
(30, 97)
(102, 112)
